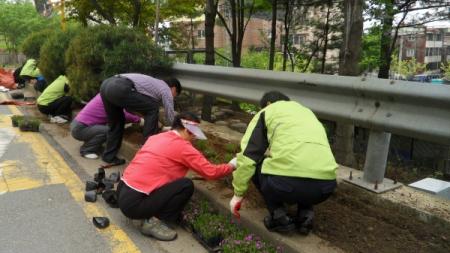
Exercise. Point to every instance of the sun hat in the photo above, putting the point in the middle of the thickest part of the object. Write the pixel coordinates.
(193, 127)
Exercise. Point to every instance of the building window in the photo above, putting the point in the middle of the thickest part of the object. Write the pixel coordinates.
(429, 36)
(410, 52)
(201, 34)
(438, 37)
(411, 37)
(298, 39)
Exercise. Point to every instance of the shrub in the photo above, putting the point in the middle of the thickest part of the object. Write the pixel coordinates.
(100, 52)
(31, 46)
(52, 54)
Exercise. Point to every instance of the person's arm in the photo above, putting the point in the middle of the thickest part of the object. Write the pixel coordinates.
(131, 118)
(167, 101)
(195, 160)
(253, 145)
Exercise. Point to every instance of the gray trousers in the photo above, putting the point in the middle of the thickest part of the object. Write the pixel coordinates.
(93, 136)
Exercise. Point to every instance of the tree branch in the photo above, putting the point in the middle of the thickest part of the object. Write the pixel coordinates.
(224, 23)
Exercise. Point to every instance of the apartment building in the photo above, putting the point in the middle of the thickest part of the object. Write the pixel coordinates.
(429, 45)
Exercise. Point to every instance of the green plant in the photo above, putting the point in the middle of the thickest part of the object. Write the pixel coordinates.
(52, 54)
(29, 124)
(241, 241)
(99, 52)
(31, 46)
(249, 108)
(16, 119)
(232, 148)
(210, 227)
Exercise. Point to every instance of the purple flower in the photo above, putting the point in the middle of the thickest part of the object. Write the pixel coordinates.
(237, 242)
(258, 245)
(249, 237)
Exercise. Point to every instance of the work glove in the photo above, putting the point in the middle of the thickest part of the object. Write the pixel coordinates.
(165, 128)
(235, 205)
(141, 122)
(233, 162)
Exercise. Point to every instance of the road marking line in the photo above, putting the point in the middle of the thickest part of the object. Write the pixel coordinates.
(56, 170)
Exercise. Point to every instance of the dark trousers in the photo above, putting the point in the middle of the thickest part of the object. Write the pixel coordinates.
(117, 94)
(60, 107)
(92, 136)
(280, 190)
(165, 203)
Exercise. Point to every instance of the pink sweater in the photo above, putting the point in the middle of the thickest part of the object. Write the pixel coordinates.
(166, 157)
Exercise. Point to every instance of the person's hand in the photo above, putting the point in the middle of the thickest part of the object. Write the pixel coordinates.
(233, 162)
(141, 122)
(235, 205)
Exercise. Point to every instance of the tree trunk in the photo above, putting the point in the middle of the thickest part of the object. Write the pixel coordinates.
(210, 20)
(386, 41)
(349, 56)
(273, 34)
(287, 21)
(325, 37)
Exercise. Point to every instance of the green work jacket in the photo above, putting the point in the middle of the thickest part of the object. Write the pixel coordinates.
(288, 140)
(30, 69)
(54, 91)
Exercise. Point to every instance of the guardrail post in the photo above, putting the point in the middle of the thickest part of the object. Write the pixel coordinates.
(375, 164)
(376, 156)
(208, 102)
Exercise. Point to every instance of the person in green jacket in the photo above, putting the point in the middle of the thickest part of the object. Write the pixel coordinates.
(285, 152)
(30, 72)
(54, 102)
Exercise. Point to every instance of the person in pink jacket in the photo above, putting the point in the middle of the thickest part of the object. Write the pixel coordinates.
(154, 186)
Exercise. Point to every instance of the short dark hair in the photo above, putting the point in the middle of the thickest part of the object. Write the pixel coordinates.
(186, 116)
(272, 97)
(173, 82)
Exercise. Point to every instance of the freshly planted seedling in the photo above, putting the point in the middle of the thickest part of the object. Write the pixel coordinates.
(15, 120)
(29, 125)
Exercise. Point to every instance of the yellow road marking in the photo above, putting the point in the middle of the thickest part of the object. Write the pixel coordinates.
(52, 169)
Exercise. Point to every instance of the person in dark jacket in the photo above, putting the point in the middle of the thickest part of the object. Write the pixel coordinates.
(140, 94)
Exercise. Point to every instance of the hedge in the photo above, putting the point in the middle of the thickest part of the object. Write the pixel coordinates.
(32, 44)
(99, 52)
(52, 54)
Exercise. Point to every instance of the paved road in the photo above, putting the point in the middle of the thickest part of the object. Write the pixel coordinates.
(42, 207)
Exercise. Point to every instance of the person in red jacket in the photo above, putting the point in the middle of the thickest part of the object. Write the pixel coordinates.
(154, 186)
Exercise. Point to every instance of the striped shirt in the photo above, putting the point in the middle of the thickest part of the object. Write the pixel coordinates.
(156, 89)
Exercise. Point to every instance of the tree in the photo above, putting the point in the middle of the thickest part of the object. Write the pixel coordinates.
(235, 16)
(407, 68)
(349, 57)
(273, 34)
(18, 20)
(446, 70)
(371, 49)
(407, 12)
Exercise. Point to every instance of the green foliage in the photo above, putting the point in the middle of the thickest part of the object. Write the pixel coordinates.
(209, 225)
(18, 19)
(446, 70)
(99, 52)
(407, 68)
(52, 55)
(249, 108)
(370, 59)
(31, 46)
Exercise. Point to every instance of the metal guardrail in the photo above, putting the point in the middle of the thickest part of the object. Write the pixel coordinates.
(410, 109)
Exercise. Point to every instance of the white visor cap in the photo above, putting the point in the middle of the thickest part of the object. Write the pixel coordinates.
(193, 127)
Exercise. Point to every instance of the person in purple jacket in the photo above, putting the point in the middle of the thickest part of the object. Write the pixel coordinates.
(91, 126)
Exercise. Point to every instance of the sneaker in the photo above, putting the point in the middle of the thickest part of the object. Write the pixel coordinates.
(90, 156)
(158, 229)
(115, 161)
(58, 120)
(304, 221)
(279, 222)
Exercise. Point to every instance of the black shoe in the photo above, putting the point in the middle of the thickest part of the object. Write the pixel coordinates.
(304, 222)
(279, 223)
(115, 161)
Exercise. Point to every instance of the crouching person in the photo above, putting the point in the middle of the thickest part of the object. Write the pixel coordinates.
(285, 152)
(54, 102)
(154, 187)
(91, 127)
